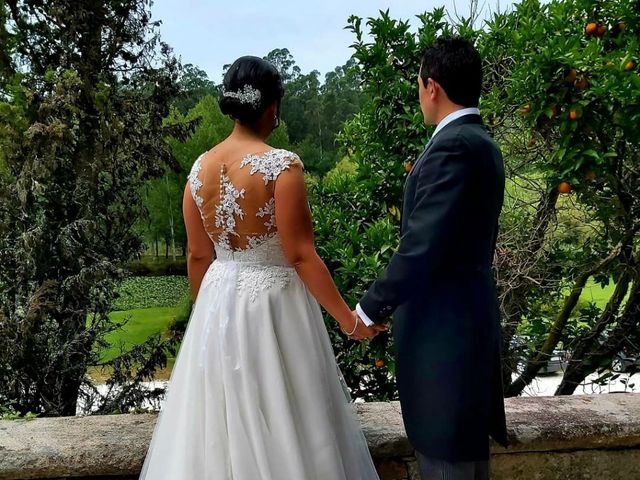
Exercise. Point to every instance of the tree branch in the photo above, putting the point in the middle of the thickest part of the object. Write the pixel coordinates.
(541, 357)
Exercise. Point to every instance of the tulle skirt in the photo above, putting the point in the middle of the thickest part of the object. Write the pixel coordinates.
(255, 392)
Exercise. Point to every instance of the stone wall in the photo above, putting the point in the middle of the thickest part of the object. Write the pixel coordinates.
(553, 438)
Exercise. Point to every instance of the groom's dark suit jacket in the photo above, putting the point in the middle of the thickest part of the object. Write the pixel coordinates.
(441, 287)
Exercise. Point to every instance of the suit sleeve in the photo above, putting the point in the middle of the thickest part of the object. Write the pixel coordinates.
(435, 219)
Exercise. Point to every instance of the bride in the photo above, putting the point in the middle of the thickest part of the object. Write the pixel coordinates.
(255, 392)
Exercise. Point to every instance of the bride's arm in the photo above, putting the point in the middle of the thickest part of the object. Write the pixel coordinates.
(293, 219)
(199, 245)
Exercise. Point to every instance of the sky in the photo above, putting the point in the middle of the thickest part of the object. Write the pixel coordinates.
(212, 33)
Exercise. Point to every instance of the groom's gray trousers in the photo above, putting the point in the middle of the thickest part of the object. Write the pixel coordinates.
(434, 469)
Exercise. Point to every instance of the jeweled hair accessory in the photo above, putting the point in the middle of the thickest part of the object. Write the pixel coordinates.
(248, 94)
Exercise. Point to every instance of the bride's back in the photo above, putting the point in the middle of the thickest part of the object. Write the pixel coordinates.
(234, 189)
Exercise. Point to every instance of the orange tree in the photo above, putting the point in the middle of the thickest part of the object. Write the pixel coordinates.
(562, 100)
(562, 96)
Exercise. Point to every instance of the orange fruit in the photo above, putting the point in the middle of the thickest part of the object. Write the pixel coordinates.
(602, 29)
(408, 166)
(525, 109)
(379, 363)
(630, 66)
(622, 26)
(582, 84)
(564, 187)
(591, 28)
(571, 76)
(574, 115)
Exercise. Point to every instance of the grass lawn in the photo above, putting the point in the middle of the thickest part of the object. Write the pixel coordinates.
(143, 323)
(593, 292)
(148, 304)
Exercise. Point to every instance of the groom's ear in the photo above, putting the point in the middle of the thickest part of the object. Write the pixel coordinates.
(436, 89)
(429, 87)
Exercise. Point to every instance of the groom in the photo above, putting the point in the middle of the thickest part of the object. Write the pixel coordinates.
(439, 284)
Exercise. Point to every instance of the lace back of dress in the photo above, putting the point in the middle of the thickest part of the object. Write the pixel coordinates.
(237, 203)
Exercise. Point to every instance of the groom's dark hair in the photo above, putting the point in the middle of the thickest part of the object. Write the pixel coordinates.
(455, 64)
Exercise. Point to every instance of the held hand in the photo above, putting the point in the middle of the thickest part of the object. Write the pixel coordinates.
(363, 332)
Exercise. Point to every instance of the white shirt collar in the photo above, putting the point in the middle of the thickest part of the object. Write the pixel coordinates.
(454, 116)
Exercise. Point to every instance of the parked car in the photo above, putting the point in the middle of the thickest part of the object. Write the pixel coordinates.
(557, 362)
(628, 358)
(623, 362)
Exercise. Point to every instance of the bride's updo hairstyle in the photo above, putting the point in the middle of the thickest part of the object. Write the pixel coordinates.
(249, 87)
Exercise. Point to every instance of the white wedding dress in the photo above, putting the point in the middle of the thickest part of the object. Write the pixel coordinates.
(255, 392)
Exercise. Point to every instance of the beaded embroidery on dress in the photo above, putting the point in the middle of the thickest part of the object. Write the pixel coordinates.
(255, 392)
